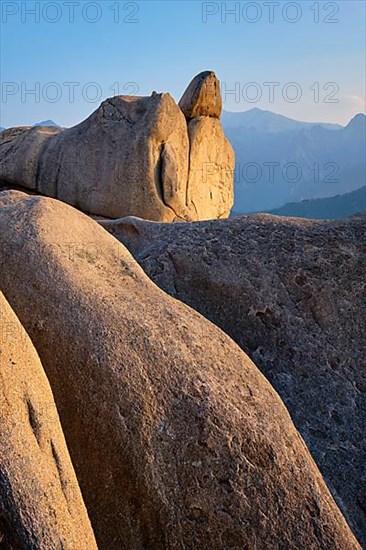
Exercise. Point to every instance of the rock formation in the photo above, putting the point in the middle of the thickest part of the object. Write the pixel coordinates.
(202, 97)
(132, 156)
(176, 437)
(20, 150)
(211, 161)
(40, 501)
(211, 157)
(291, 293)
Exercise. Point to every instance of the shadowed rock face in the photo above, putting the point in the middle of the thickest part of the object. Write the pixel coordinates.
(40, 501)
(292, 294)
(132, 156)
(176, 437)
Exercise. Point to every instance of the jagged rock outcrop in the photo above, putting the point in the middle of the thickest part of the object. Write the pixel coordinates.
(40, 501)
(132, 156)
(175, 435)
(202, 97)
(291, 293)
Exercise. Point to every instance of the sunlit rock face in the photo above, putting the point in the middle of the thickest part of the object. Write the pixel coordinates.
(211, 157)
(202, 97)
(211, 161)
(40, 500)
(141, 156)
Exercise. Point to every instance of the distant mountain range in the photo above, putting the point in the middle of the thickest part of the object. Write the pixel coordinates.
(42, 123)
(272, 151)
(46, 123)
(266, 121)
(331, 208)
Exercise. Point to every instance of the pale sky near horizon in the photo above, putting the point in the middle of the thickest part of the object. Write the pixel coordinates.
(60, 59)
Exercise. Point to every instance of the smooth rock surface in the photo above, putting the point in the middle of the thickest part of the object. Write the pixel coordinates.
(40, 501)
(211, 169)
(20, 150)
(292, 294)
(129, 156)
(202, 97)
(176, 437)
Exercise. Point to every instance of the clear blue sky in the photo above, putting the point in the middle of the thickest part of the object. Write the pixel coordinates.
(169, 43)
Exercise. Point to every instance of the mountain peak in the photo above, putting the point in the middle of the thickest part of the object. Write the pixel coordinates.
(46, 123)
(267, 121)
(358, 121)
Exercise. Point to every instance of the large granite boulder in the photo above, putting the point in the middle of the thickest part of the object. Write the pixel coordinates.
(291, 293)
(130, 157)
(202, 97)
(40, 501)
(176, 437)
(210, 192)
(211, 169)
